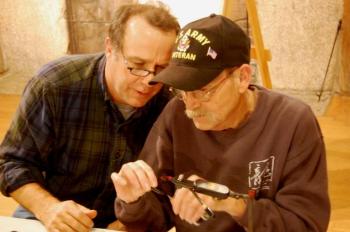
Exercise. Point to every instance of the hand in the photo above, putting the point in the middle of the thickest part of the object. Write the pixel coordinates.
(235, 207)
(116, 225)
(187, 206)
(133, 180)
(67, 216)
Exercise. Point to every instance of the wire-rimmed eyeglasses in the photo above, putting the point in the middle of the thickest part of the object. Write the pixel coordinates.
(141, 72)
(202, 95)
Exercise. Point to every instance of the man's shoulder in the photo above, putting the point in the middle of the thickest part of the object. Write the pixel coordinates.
(277, 108)
(283, 102)
(174, 106)
(69, 68)
(174, 111)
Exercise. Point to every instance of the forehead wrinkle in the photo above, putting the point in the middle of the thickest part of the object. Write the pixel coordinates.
(142, 61)
(138, 59)
(152, 55)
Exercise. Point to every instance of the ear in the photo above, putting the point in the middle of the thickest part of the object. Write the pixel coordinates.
(245, 77)
(108, 46)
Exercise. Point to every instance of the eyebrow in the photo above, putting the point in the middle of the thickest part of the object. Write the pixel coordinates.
(136, 59)
(140, 61)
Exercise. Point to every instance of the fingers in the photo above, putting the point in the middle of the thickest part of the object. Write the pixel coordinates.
(148, 171)
(186, 206)
(141, 175)
(194, 177)
(116, 225)
(71, 220)
(80, 214)
(184, 196)
(191, 207)
(69, 216)
(61, 227)
(91, 214)
(133, 180)
(88, 212)
(118, 181)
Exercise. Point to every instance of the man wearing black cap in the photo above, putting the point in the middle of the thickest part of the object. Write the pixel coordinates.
(232, 133)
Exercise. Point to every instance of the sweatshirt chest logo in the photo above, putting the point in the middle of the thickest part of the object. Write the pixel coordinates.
(260, 173)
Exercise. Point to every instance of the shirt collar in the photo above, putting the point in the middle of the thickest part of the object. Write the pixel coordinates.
(102, 79)
(102, 83)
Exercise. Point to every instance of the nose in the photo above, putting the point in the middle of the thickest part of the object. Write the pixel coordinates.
(191, 102)
(147, 79)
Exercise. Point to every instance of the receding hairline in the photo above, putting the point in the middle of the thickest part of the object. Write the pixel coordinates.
(158, 17)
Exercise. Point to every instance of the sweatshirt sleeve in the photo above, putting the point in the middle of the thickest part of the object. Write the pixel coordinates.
(301, 202)
(146, 214)
(151, 212)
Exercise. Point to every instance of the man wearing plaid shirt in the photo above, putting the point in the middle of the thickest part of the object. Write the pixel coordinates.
(81, 117)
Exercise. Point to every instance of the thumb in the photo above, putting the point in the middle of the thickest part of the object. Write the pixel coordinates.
(118, 180)
(89, 212)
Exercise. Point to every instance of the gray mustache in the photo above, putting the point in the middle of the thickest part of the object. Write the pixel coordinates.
(194, 113)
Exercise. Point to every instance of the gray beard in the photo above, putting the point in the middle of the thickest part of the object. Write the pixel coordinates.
(197, 113)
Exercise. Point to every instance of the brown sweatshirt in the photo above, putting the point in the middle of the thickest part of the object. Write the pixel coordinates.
(279, 151)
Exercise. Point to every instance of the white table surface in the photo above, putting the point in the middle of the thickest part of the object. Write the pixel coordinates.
(10, 224)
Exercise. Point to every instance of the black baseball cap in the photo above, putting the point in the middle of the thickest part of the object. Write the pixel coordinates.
(203, 49)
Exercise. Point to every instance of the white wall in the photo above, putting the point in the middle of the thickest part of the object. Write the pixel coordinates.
(190, 10)
(32, 32)
(299, 34)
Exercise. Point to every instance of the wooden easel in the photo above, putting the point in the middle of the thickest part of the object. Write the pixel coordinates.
(258, 51)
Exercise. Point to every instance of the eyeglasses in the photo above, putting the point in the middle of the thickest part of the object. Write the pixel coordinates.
(140, 72)
(202, 95)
